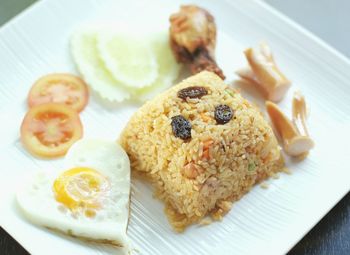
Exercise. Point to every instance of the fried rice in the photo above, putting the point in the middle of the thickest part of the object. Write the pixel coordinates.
(203, 175)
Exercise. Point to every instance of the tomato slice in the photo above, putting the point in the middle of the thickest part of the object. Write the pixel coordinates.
(49, 130)
(59, 88)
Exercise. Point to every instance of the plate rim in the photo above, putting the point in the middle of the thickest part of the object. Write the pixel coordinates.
(277, 14)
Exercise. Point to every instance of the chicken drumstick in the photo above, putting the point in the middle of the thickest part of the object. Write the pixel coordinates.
(193, 39)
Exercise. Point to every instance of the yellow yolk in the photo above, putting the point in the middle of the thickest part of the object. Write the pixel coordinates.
(80, 187)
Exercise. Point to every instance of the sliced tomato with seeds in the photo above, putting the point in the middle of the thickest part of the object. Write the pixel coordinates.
(49, 130)
(59, 88)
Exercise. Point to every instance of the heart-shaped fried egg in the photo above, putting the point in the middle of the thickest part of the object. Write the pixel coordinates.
(88, 198)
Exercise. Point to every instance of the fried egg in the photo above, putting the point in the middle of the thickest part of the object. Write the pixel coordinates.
(88, 198)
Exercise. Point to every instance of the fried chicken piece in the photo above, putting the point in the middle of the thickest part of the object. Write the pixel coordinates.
(193, 39)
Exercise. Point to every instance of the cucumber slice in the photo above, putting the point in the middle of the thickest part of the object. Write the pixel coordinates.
(87, 59)
(168, 68)
(129, 59)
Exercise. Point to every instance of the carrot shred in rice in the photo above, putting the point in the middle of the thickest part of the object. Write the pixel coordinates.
(205, 117)
(206, 147)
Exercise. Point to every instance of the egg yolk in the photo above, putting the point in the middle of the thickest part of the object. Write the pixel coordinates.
(80, 187)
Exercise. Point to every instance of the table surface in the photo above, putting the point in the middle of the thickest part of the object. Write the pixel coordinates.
(328, 20)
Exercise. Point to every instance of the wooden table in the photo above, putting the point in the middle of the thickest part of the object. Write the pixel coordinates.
(330, 236)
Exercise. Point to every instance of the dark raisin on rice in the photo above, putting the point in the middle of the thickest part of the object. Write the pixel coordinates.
(192, 92)
(181, 127)
(223, 114)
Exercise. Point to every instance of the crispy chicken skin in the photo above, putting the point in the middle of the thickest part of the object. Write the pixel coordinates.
(193, 39)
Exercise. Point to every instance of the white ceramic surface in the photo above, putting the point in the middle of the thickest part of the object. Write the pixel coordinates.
(264, 221)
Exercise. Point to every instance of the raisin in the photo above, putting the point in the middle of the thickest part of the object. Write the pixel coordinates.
(181, 127)
(192, 92)
(223, 114)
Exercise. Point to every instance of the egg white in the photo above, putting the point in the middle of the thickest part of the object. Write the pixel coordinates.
(37, 201)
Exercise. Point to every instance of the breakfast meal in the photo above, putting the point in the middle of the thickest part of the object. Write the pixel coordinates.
(120, 66)
(202, 145)
(193, 39)
(88, 199)
(264, 72)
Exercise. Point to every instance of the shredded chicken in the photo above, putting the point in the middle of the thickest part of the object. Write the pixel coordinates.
(191, 170)
(193, 39)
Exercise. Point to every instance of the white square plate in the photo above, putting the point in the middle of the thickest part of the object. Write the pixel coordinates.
(264, 221)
